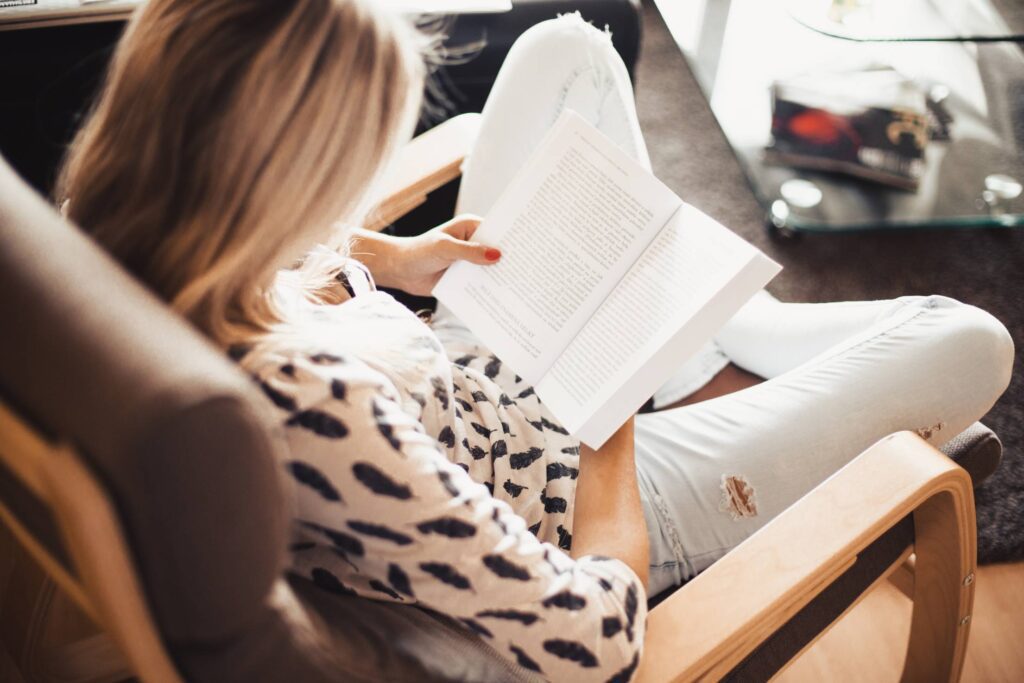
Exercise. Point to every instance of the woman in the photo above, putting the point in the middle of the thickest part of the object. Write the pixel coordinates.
(231, 138)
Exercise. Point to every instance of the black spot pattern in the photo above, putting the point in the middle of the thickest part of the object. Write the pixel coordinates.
(564, 538)
(610, 626)
(627, 673)
(380, 483)
(559, 429)
(329, 582)
(345, 558)
(551, 563)
(630, 604)
(310, 476)
(477, 452)
(350, 545)
(338, 389)
(499, 449)
(466, 405)
(496, 517)
(386, 590)
(447, 526)
(447, 437)
(481, 430)
(419, 398)
(528, 391)
(525, 618)
(463, 361)
(518, 461)
(492, 368)
(319, 422)
(523, 659)
(514, 490)
(447, 483)
(300, 546)
(476, 627)
(557, 470)
(282, 401)
(379, 531)
(479, 396)
(385, 429)
(399, 580)
(565, 600)
(446, 573)
(505, 400)
(505, 569)
(325, 359)
(440, 391)
(553, 504)
(571, 450)
(535, 529)
(572, 651)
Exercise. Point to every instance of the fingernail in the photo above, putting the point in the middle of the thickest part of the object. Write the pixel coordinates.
(492, 254)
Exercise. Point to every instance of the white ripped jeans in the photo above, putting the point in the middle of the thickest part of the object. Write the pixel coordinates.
(840, 376)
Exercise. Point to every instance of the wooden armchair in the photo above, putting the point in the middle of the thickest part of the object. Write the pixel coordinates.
(90, 465)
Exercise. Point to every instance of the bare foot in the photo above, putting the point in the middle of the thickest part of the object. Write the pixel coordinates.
(731, 378)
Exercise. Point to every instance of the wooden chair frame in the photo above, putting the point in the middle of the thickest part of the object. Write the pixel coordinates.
(725, 613)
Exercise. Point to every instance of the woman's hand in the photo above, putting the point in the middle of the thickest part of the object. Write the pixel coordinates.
(415, 264)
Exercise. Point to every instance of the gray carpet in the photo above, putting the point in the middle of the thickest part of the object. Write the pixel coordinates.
(983, 267)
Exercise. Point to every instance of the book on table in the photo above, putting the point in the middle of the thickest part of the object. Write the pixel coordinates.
(608, 281)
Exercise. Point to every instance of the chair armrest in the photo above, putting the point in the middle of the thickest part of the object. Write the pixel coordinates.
(429, 161)
(712, 623)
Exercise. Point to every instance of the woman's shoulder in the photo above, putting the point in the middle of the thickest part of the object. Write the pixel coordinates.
(297, 377)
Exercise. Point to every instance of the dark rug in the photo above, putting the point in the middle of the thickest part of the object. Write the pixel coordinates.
(984, 267)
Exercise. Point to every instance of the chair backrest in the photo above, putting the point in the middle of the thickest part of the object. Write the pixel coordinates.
(88, 559)
(135, 461)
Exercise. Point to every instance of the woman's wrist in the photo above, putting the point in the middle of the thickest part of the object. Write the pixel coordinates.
(379, 253)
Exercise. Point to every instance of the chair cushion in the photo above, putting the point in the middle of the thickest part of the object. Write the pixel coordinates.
(977, 449)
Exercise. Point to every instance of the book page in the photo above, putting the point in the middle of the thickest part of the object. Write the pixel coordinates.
(693, 277)
(569, 226)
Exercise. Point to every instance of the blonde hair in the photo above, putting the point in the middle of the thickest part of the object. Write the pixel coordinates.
(230, 136)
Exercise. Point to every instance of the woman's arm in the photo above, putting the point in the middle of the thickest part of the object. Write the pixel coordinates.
(415, 264)
(608, 519)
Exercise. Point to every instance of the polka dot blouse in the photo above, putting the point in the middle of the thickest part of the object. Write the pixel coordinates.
(435, 476)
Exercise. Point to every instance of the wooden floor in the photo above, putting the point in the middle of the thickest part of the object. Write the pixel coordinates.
(867, 645)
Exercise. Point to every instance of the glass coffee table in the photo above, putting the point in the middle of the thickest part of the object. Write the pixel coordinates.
(966, 56)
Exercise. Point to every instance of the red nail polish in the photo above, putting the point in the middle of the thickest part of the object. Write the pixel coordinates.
(492, 254)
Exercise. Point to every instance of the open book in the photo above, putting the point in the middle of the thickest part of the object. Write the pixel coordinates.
(607, 284)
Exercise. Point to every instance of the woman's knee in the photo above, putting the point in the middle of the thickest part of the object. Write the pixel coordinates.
(567, 43)
(975, 340)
